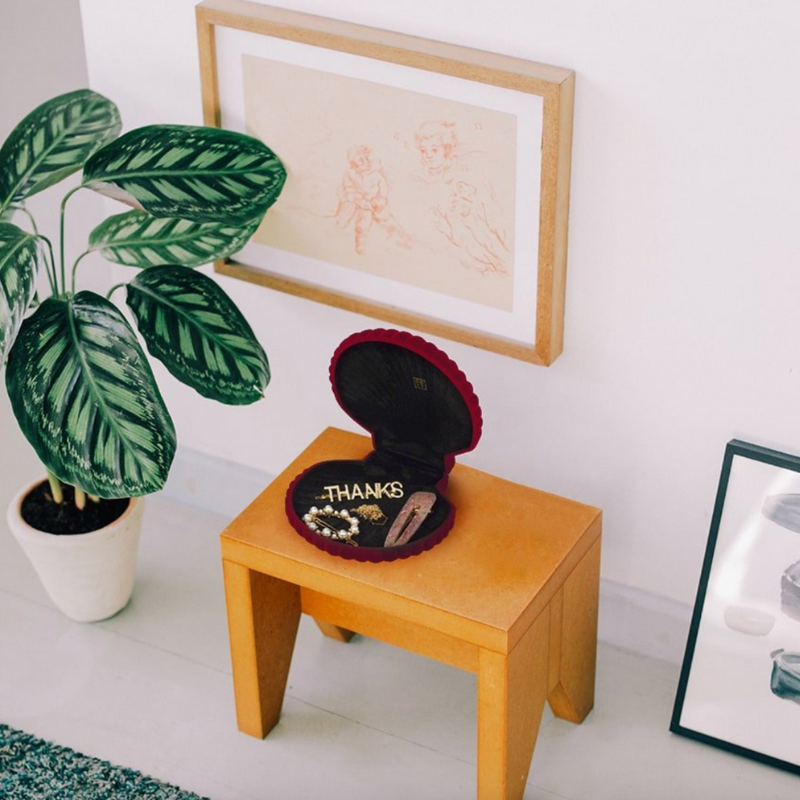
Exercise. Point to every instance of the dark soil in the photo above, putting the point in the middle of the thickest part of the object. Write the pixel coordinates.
(41, 512)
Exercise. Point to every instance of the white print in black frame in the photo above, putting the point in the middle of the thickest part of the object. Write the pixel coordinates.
(740, 683)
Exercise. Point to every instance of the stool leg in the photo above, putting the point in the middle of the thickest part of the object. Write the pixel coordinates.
(512, 690)
(334, 631)
(573, 640)
(263, 615)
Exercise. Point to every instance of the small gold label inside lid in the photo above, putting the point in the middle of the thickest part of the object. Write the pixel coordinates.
(421, 383)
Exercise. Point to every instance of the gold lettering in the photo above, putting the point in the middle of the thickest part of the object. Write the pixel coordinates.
(329, 490)
(339, 492)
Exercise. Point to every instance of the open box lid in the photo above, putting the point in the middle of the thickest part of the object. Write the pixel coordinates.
(409, 395)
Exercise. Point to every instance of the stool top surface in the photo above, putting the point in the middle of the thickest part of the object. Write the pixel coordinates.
(510, 550)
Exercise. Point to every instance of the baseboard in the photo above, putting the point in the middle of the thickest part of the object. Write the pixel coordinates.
(630, 618)
(648, 624)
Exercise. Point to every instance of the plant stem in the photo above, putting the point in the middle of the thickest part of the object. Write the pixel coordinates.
(28, 215)
(80, 499)
(55, 487)
(36, 233)
(113, 289)
(51, 266)
(75, 267)
(61, 236)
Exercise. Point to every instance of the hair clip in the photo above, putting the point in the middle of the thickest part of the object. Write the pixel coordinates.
(411, 516)
(318, 520)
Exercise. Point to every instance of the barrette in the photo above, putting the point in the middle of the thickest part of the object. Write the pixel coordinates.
(324, 522)
(411, 516)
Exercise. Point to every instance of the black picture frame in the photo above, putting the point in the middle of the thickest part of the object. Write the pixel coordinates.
(734, 449)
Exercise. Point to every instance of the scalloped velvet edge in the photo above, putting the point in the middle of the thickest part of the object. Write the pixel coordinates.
(365, 554)
(430, 352)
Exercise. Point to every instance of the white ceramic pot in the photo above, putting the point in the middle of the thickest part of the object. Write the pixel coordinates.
(89, 576)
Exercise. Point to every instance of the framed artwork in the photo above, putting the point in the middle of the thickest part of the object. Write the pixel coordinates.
(740, 684)
(428, 184)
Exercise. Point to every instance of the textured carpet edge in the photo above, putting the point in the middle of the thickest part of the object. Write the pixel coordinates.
(36, 769)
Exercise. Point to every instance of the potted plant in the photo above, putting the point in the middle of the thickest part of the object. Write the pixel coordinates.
(79, 381)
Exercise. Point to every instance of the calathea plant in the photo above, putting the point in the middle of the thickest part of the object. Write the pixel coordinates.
(79, 381)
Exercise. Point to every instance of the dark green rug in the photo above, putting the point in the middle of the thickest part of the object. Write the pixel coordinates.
(32, 769)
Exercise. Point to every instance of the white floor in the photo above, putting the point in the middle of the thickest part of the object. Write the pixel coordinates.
(151, 689)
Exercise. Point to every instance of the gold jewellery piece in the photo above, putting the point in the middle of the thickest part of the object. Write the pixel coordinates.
(411, 516)
(341, 526)
(371, 513)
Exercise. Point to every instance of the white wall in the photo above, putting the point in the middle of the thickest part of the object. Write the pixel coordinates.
(41, 56)
(684, 277)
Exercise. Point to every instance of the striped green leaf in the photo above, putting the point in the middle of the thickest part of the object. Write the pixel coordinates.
(137, 239)
(86, 399)
(193, 173)
(54, 141)
(20, 254)
(195, 329)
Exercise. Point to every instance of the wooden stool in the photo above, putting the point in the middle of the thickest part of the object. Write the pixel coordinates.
(510, 594)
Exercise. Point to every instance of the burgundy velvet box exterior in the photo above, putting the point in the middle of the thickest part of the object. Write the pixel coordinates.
(425, 353)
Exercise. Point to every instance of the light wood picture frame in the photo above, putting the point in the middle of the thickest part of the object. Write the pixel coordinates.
(445, 171)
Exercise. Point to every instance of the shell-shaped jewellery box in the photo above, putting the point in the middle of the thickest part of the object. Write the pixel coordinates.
(421, 412)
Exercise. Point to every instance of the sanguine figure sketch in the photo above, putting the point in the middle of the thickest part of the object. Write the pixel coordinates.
(437, 143)
(463, 207)
(364, 199)
(393, 192)
(466, 224)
